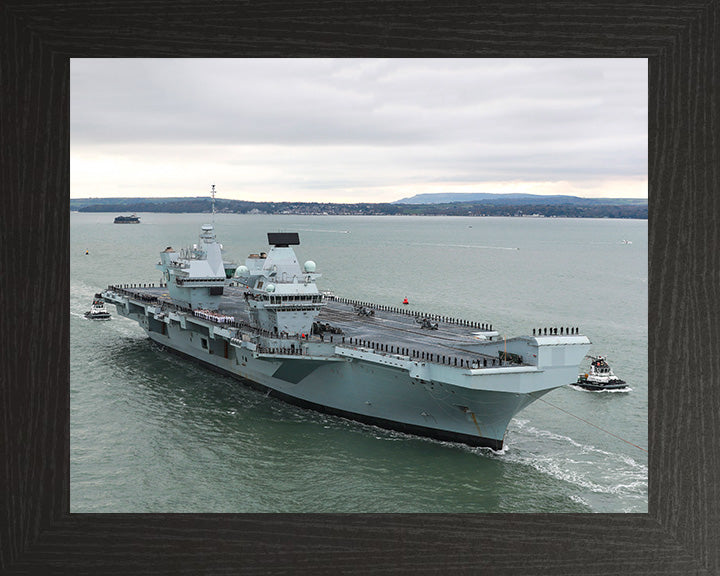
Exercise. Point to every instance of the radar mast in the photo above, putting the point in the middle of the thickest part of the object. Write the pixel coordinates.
(212, 193)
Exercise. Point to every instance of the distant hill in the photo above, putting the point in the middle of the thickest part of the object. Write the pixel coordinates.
(79, 203)
(515, 199)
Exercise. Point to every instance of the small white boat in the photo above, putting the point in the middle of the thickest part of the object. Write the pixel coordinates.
(97, 310)
(600, 377)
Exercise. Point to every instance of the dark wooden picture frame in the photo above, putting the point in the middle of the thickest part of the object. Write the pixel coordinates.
(680, 534)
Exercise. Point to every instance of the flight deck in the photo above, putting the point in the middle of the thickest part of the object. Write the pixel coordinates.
(429, 337)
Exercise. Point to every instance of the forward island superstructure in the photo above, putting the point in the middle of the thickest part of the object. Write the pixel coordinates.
(267, 324)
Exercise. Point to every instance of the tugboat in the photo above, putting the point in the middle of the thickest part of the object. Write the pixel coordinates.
(97, 310)
(600, 377)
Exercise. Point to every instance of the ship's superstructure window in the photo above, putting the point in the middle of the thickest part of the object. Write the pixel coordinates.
(302, 299)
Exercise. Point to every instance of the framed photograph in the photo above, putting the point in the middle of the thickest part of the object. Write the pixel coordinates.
(674, 532)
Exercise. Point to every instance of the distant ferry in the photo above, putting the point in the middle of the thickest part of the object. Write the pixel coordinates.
(127, 219)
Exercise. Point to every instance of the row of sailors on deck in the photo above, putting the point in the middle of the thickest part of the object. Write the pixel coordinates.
(213, 316)
(554, 331)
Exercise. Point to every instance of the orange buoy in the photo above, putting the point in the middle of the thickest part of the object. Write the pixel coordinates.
(405, 301)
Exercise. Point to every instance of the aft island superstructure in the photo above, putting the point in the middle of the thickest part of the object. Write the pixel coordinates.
(267, 324)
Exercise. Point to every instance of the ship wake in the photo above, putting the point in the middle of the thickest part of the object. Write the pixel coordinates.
(603, 476)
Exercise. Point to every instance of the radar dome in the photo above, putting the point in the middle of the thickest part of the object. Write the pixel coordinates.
(309, 266)
(241, 271)
(270, 287)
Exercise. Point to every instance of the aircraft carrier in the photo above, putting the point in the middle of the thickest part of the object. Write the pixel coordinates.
(267, 324)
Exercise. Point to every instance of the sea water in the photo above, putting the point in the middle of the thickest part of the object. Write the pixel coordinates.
(152, 432)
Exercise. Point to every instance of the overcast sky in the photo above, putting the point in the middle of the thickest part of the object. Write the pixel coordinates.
(356, 130)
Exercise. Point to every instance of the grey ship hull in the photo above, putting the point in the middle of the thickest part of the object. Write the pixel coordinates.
(365, 418)
(361, 380)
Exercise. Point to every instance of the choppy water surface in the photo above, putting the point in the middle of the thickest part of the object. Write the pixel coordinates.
(151, 432)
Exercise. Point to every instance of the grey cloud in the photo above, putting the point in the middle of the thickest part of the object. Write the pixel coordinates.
(481, 117)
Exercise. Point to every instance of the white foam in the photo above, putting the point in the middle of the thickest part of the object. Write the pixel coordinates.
(577, 499)
(621, 482)
(604, 472)
(615, 391)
